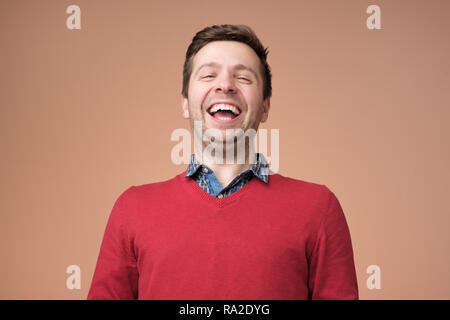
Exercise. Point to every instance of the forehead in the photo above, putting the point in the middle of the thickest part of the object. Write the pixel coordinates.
(226, 53)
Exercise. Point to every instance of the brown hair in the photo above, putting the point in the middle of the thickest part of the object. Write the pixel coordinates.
(241, 33)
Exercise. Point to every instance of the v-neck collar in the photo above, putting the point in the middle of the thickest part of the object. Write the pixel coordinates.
(260, 168)
(195, 190)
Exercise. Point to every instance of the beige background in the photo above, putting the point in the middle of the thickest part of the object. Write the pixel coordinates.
(87, 113)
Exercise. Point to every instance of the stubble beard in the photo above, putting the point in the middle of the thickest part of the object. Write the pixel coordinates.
(236, 146)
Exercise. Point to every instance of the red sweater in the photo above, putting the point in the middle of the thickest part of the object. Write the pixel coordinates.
(287, 239)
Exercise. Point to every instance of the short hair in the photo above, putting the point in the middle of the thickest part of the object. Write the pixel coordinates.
(228, 32)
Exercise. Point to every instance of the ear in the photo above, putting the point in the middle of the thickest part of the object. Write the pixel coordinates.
(265, 111)
(184, 106)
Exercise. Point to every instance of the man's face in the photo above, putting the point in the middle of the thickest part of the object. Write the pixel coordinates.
(226, 75)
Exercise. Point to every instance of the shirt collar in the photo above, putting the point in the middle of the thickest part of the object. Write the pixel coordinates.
(259, 169)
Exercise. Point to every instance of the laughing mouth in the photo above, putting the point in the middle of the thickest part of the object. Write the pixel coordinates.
(224, 111)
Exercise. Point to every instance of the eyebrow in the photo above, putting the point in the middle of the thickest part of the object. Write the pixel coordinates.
(238, 66)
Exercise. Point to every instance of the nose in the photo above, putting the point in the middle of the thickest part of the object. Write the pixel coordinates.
(225, 84)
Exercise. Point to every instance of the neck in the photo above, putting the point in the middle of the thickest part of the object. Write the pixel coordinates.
(227, 169)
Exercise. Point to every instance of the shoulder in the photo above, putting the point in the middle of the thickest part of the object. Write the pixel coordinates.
(154, 188)
(136, 197)
(298, 185)
(306, 191)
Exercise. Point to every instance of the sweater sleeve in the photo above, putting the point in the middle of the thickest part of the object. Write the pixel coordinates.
(332, 274)
(116, 275)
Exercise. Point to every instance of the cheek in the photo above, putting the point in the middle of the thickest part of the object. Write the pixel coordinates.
(198, 94)
(252, 99)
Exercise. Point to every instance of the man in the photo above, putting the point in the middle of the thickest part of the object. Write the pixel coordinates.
(226, 229)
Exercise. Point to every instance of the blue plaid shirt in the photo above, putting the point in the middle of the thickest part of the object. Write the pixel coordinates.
(207, 180)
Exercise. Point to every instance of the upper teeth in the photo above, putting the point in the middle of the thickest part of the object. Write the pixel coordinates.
(223, 106)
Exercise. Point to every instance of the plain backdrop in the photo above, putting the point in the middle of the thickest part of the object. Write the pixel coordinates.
(87, 113)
